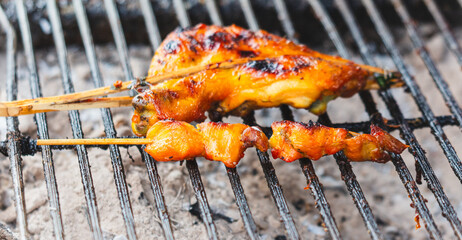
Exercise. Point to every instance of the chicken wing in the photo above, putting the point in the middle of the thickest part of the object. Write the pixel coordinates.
(278, 72)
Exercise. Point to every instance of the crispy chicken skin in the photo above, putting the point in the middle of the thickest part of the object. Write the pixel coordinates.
(278, 72)
(176, 140)
(291, 141)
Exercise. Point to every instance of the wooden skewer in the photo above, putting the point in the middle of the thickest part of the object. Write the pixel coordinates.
(95, 141)
(9, 109)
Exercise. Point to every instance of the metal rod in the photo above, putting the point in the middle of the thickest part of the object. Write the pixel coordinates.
(315, 186)
(419, 98)
(275, 187)
(249, 15)
(238, 190)
(12, 127)
(213, 12)
(119, 38)
(284, 17)
(116, 160)
(345, 167)
(449, 37)
(394, 110)
(42, 127)
(156, 186)
(201, 197)
(193, 170)
(122, 50)
(181, 13)
(242, 204)
(151, 24)
(74, 116)
(307, 168)
(431, 66)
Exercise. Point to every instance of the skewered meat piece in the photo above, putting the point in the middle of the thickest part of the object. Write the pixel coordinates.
(292, 140)
(278, 72)
(175, 140)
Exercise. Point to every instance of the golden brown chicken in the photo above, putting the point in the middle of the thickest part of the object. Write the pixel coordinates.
(176, 140)
(291, 141)
(278, 72)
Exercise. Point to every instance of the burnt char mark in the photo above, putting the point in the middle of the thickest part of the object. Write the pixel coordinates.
(265, 66)
(247, 54)
(172, 47)
(216, 39)
(279, 66)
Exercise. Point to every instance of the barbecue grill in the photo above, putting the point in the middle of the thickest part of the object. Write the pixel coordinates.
(16, 146)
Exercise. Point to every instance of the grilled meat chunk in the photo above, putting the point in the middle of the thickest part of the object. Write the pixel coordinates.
(291, 141)
(278, 72)
(175, 140)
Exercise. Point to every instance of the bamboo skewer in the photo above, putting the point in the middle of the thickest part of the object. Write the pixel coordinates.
(9, 109)
(95, 141)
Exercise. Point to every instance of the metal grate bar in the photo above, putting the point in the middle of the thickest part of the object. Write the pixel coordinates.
(42, 127)
(249, 14)
(449, 37)
(116, 160)
(396, 112)
(419, 98)
(238, 190)
(346, 170)
(119, 38)
(87, 180)
(448, 211)
(242, 204)
(12, 127)
(213, 12)
(284, 17)
(151, 24)
(193, 170)
(201, 197)
(181, 13)
(436, 75)
(275, 187)
(315, 186)
(306, 164)
(154, 177)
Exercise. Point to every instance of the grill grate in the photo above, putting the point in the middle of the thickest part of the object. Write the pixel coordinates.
(406, 126)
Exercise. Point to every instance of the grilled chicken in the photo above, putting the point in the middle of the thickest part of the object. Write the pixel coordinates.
(292, 140)
(176, 140)
(277, 72)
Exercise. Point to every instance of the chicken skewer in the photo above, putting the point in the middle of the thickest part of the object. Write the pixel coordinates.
(175, 140)
(288, 74)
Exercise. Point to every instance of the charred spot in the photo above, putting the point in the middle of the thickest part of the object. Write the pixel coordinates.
(216, 39)
(266, 66)
(247, 54)
(244, 36)
(172, 47)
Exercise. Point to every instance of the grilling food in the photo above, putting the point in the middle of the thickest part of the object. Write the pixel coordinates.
(170, 140)
(278, 72)
(292, 140)
(224, 142)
